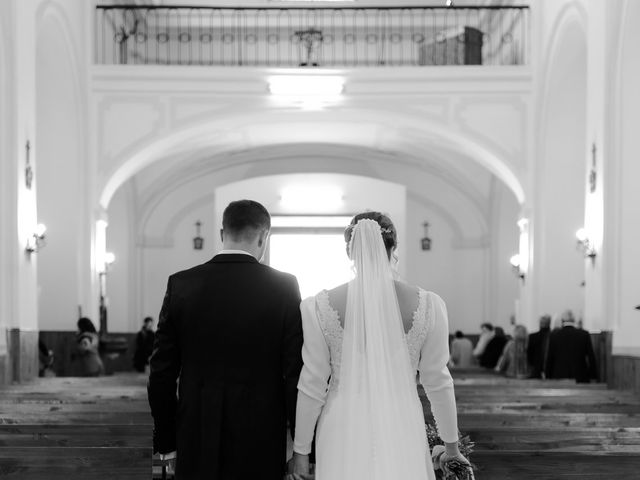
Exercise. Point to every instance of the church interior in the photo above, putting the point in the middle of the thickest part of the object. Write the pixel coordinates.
(500, 136)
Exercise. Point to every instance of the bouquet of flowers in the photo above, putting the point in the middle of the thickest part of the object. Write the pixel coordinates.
(454, 469)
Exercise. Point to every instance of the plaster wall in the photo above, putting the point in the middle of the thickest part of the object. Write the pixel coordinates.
(626, 339)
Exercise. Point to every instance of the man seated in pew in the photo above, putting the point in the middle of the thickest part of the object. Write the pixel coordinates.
(494, 348)
(45, 360)
(571, 352)
(144, 345)
(538, 347)
(486, 334)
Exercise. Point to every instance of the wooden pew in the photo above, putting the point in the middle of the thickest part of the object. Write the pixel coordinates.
(76, 428)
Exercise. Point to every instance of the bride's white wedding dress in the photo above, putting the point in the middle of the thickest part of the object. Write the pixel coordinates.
(358, 381)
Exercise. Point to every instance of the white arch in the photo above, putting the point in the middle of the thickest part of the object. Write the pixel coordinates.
(349, 163)
(572, 12)
(274, 128)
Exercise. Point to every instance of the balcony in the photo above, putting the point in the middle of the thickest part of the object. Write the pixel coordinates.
(330, 37)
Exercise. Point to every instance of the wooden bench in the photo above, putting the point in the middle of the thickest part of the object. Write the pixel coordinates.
(523, 429)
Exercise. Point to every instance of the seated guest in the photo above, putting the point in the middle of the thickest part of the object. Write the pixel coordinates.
(144, 345)
(513, 361)
(571, 352)
(45, 359)
(486, 334)
(538, 347)
(88, 362)
(494, 348)
(461, 351)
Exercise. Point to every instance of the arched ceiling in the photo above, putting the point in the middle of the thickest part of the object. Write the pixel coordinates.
(455, 187)
(355, 130)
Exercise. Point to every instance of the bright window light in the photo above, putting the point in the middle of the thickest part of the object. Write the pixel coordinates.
(311, 198)
(314, 86)
(319, 261)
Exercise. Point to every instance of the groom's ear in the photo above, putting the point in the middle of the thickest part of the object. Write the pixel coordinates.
(262, 237)
(222, 235)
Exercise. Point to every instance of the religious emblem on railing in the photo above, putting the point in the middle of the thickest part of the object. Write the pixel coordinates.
(311, 39)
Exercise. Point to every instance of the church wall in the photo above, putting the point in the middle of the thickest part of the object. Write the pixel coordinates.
(18, 321)
(122, 293)
(61, 196)
(626, 339)
(503, 283)
(560, 171)
(6, 198)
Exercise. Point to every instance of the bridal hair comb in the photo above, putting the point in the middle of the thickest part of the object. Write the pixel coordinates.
(386, 230)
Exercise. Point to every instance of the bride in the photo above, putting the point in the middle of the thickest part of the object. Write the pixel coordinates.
(363, 343)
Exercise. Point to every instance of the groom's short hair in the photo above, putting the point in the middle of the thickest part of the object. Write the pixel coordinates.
(244, 219)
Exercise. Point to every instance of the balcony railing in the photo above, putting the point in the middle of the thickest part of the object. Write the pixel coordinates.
(320, 36)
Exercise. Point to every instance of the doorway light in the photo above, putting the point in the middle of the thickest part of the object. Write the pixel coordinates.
(310, 198)
(295, 221)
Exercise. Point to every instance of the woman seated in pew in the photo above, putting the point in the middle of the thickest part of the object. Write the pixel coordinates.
(86, 358)
(513, 361)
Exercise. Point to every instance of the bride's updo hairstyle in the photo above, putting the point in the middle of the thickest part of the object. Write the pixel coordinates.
(389, 235)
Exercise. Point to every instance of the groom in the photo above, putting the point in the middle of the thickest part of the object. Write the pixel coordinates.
(230, 331)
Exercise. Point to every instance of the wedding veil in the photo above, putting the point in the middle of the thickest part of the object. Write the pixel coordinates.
(384, 425)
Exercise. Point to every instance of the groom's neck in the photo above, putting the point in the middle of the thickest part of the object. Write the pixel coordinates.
(244, 246)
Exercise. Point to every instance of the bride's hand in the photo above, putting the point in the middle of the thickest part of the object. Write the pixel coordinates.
(299, 467)
(442, 455)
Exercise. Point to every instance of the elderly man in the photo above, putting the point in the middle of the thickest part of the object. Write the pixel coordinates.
(571, 352)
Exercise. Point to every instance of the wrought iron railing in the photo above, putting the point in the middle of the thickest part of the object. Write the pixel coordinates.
(320, 36)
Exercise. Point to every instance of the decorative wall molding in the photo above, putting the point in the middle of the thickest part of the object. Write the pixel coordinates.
(505, 132)
(192, 110)
(150, 118)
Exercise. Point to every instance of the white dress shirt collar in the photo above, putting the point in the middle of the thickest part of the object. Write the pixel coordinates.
(234, 252)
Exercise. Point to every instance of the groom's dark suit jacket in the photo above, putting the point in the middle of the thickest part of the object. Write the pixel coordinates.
(230, 333)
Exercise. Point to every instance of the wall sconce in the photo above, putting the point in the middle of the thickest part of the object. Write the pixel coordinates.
(585, 244)
(37, 239)
(198, 241)
(109, 258)
(515, 265)
(425, 241)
